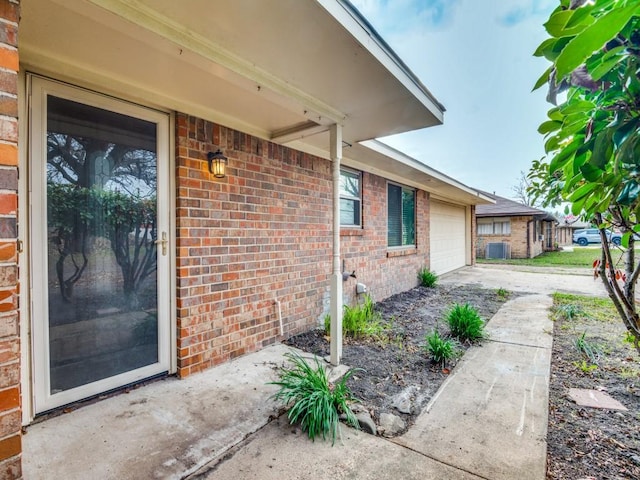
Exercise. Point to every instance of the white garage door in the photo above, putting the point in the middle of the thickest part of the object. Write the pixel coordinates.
(448, 237)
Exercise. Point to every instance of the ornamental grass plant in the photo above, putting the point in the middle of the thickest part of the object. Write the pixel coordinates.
(465, 323)
(360, 320)
(427, 278)
(440, 349)
(315, 402)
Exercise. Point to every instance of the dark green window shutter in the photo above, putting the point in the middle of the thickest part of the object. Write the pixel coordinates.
(408, 217)
(394, 215)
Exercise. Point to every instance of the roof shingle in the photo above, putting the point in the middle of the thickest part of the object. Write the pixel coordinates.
(508, 208)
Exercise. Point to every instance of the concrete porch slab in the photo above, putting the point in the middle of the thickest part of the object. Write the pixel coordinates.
(281, 451)
(166, 429)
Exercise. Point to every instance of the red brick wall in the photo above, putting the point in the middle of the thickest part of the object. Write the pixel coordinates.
(10, 412)
(260, 234)
(264, 233)
(384, 271)
(520, 228)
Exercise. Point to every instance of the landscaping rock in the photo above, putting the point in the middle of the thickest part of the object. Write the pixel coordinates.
(403, 402)
(390, 425)
(366, 423)
(363, 416)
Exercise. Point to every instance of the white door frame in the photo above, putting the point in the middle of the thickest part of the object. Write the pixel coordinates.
(36, 396)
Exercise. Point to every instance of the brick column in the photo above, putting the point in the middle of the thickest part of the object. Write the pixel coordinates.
(10, 409)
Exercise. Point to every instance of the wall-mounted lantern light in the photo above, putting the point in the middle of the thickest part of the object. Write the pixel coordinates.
(217, 163)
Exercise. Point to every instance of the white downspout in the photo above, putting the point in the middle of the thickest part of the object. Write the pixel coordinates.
(335, 135)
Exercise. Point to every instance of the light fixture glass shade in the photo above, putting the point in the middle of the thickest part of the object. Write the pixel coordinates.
(217, 163)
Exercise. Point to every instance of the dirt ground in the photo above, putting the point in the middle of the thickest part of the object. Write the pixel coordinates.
(398, 361)
(587, 443)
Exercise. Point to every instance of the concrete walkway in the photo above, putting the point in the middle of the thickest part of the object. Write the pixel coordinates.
(487, 421)
(490, 417)
(166, 430)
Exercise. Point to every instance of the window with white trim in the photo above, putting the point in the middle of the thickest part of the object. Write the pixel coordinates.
(350, 198)
(401, 216)
(494, 226)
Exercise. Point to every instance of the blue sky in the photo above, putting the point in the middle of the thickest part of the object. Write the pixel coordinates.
(476, 57)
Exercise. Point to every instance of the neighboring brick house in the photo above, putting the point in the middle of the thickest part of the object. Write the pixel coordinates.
(508, 229)
(565, 228)
(125, 253)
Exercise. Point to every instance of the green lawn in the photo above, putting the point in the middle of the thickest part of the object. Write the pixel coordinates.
(580, 257)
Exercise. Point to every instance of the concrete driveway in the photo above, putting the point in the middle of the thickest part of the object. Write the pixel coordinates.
(539, 280)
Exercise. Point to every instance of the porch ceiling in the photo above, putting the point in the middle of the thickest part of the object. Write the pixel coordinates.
(283, 70)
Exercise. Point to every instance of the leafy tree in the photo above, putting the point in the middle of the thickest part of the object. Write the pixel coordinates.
(592, 136)
(129, 222)
(521, 191)
(99, 188)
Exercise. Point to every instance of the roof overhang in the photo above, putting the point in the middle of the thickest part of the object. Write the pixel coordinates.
(409, 171)
(283, 70)
(544, 216)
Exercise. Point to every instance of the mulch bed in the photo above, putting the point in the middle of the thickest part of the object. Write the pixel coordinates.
(589, 443)
(398, 361)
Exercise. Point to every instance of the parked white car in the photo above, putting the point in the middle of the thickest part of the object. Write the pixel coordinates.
(592, 235)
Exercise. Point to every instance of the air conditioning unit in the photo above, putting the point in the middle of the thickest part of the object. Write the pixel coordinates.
(498, 250)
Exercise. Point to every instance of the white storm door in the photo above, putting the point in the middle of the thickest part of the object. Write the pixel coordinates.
(99, 242)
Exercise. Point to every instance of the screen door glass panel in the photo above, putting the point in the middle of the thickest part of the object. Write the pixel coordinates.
(101, 174)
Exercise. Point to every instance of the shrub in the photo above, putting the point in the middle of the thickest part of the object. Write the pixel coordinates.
(427, 278)
(586, 348)
(465, 322)
(359, 320)
(315, 403)
(503, 293)
(440, 350)
(569, 311)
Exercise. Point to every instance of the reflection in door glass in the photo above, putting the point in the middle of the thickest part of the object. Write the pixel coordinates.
(101, 224)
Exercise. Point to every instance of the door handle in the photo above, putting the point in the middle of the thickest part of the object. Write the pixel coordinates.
(164, 243)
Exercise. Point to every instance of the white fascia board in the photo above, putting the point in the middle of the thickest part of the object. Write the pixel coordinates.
(366, 35)
(397, 156)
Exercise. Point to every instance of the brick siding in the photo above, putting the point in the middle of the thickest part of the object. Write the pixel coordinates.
(518, 238)
(263, 233)
(10, 412)
(384, 271)
(564, 235)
